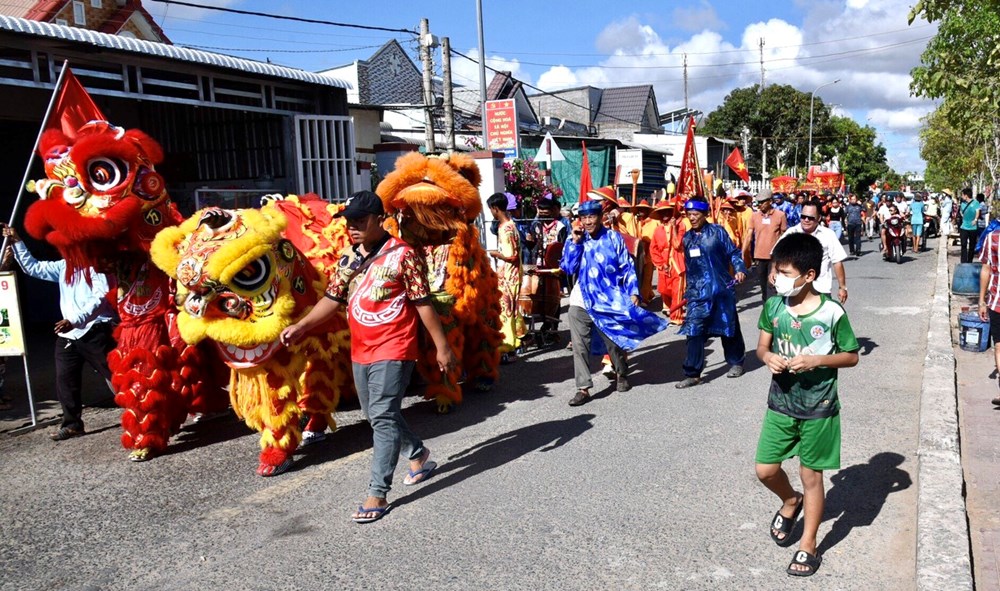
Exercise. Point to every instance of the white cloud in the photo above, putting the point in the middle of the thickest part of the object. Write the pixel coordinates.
(867, 44)
(899, 120)
(162, 11)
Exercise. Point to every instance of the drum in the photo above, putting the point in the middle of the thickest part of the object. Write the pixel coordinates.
(539, 294)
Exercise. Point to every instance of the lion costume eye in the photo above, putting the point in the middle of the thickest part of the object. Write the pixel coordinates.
(254, 276)
(106, 173)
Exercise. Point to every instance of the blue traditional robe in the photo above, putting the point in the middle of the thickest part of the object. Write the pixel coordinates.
(606, 276)
(710, 295)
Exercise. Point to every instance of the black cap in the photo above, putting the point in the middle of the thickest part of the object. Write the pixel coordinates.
(361, 204)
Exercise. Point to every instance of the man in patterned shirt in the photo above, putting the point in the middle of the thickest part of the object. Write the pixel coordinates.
(382, 283)
(804, 337)
(989, 292)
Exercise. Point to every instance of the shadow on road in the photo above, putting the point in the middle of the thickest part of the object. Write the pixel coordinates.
(858, 494)
(500, 450)
(866, 345)
(530, 384)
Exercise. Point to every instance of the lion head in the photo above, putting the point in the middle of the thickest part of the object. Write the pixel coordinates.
(239, 282)
(101, 193)
(432, 197)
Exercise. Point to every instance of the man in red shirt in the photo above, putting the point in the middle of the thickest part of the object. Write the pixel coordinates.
(767, 224)
(382, 282)
(989, 292)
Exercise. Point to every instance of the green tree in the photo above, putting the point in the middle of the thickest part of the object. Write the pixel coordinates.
(950, 155)
(961, 66)
(780, 114)
(862, 158)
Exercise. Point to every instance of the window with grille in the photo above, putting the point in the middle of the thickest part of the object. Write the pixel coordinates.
(79, 14)
(324, 154)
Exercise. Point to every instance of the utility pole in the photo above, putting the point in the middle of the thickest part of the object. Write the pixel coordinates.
(426, 43)
(761, 45)
(685, 82)
(763, 161)
(449, 107)
(482, 70)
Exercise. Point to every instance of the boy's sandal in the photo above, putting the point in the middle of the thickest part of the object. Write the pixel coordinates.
(803, 558)
(785, 525)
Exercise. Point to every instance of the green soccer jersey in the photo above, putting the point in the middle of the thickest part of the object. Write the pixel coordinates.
(824, 331)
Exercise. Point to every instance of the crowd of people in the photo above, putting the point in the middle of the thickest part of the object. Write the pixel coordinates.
(606, 257)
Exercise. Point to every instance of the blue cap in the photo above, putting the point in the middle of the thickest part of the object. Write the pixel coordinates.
(590, 207)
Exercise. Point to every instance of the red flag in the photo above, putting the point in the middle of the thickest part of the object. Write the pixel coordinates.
(585, 183)
(74, 108)
(690, 182)
(735, 161)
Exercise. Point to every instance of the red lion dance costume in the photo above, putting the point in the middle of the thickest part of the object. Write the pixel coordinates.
(103, 200)
(435, 201)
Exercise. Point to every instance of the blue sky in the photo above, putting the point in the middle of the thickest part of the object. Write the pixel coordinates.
(554, 44)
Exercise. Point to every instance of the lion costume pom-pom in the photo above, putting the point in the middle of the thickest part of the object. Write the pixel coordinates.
(435, 200)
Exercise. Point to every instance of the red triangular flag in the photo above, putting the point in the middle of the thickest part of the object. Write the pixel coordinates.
(585, 183)
(690, 182)
(736, 162)
(74, 108)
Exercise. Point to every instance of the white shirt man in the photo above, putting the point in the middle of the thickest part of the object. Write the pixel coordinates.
(833, 252)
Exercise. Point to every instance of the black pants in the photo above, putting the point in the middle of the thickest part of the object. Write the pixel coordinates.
(968, 240)
(71, 354)
(734, 349)
(854, 238)
(763, 272)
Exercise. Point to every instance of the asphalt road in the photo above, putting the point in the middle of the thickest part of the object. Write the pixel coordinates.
(653, 488)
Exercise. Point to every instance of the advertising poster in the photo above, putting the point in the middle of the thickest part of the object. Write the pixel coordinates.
(11, 330)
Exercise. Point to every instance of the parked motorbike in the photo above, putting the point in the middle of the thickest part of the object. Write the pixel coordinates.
(895, 238)
(930, 226)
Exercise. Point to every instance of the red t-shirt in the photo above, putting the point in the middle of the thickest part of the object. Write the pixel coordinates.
(383, 319)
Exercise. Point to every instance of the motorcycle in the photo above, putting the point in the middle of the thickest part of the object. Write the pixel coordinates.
(930, 226)
(895, 238)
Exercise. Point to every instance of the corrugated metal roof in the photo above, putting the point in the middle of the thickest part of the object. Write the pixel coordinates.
(162, 50)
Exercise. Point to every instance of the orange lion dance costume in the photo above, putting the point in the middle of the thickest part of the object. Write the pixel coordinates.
(242, 277)
(435, 200)
(103, 200)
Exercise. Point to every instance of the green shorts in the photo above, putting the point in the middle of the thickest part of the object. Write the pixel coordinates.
(815, 441)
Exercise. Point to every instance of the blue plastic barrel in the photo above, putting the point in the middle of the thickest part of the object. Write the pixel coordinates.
(973, 333)
(965, 280)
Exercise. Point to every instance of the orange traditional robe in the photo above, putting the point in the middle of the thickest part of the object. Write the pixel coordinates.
(667, 254)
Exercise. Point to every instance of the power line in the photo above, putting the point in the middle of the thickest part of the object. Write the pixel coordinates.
(743, 63)
(287, 18)
(721, 51)
(553, 95)
(250, 49)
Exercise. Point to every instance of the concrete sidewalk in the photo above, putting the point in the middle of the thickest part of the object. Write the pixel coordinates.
(979, 425)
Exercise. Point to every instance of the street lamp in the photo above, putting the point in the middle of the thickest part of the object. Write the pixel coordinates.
(812, 98)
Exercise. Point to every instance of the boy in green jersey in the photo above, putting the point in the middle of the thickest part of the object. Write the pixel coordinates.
(804, 337)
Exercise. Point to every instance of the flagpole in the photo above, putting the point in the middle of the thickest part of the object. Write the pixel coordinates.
(34, 150)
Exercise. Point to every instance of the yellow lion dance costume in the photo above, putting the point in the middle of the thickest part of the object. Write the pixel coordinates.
(242, 277)
(434, 201)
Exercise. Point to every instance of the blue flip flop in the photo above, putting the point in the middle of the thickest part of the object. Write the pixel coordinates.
(414, 478)
(378, 511)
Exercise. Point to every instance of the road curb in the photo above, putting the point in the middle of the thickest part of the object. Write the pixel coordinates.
(943, 559)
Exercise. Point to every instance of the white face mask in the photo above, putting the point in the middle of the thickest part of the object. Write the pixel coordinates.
(785, 286)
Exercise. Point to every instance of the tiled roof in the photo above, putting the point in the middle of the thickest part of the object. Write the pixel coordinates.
(623, 104)
(162, 50)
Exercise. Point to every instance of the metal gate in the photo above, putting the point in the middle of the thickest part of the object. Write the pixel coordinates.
(324, 156)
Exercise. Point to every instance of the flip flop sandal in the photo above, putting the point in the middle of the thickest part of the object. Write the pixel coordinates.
(379, 513)
(785, 525)
(803, 558)
(414, 478)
